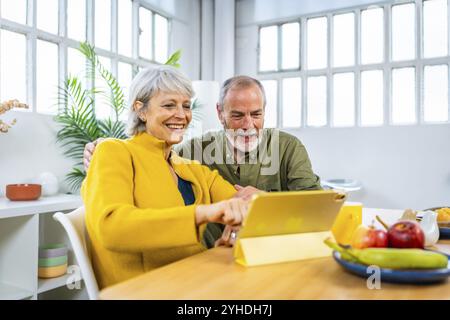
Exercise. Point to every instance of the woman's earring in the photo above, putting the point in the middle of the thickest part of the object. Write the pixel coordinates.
(143, 119)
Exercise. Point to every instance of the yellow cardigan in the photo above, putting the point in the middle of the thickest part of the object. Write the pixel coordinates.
(135, 215)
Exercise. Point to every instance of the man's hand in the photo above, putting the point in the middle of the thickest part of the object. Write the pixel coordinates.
(245, 193)
(228, 238)
(89, 150)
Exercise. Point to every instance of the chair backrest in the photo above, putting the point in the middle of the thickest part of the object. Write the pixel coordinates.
(74, 225)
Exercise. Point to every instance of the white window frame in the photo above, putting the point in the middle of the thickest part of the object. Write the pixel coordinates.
(32, 34)
(386, 66)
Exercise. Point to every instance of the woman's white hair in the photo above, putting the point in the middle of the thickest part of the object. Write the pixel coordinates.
(149, 82)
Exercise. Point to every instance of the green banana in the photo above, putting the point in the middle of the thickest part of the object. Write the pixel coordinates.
(393, 258)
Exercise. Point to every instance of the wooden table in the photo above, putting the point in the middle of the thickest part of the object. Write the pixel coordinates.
(214, 275)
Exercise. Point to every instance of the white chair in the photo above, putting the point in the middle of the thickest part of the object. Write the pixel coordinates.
(74, 225)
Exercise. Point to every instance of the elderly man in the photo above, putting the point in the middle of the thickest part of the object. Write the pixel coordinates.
(244, 153)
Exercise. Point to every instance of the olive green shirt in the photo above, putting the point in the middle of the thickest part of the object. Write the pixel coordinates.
(280, 163)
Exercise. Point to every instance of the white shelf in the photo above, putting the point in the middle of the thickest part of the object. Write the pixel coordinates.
(8, 292)
(52, 283)
(9, 209)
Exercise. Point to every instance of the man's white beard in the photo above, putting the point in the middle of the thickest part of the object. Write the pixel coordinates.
(237, 139)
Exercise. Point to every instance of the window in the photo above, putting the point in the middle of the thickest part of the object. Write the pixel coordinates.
(37, 55)
(12, 66)
(403, 32)
(385, 64)
(317, 43)
(46, 76)
(284, 38)
(103, 24)
(292, 101)
(372, 35)
(271, 89)
(344, 40)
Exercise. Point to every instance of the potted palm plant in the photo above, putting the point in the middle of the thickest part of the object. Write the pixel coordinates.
(76, 116)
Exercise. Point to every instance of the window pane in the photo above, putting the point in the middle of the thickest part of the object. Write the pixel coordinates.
(15, 10)
(76, 19)
(103, 24)
(145, 35)
(292, 102)
(270, 114)
(102, 100)
(268, 48)
(125, 17)
(317, 101)
(317, 43)
(124, 78)
(344, 99)
(161, 38)
(403, 96)
(344, 39)
(403, 32)
(372, 98)
(436, 93)
(290, 45)
(12, 66)
(435, 28)
(76, 65)
(372, 29)
(46, 76)
(47, 15)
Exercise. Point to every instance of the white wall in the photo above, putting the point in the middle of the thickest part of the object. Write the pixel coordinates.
(30, 147)
(399, 167)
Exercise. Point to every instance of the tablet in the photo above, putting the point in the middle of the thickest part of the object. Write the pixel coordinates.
(288, 212)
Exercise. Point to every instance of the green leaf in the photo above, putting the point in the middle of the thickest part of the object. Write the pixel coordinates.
(174, 59)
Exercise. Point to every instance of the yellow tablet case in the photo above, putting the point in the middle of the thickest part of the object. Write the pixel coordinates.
(287, 226)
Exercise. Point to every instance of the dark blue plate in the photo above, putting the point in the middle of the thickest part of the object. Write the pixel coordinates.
(396, 276)
(444, 233)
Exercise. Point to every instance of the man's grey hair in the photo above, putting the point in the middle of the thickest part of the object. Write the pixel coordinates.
(149, 82)
(240, 82)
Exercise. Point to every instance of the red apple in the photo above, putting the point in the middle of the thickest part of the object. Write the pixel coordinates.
(406, 234)
(369, 237)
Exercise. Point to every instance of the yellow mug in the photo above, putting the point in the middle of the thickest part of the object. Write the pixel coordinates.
(347, 220)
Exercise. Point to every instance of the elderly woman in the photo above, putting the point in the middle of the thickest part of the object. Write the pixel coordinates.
(145, 206)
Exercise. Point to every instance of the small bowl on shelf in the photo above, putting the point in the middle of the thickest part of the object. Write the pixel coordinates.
(23, 192)
(52, 250)
(52, 272)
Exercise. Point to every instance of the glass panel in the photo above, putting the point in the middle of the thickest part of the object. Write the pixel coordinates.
(344, 99)
(403, 32)
(124, 78)
(317, 43)
(372, 30)
(270, 113)
(145, 35)
(292, 102)
(403, 96)
(76, 64)
(436, 93)
(372, 93)
(344, 40)
(47, 15)
(290, 45)
(125, 17)
(268, 51)
(435, 42)
(46, 77)
(12, 66)
(76, 19)
(103, 24)
(161, 38)
(317, 101)
(102, 100)
(15, 10)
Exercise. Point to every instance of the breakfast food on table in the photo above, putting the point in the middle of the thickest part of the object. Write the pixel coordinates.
(392, 258)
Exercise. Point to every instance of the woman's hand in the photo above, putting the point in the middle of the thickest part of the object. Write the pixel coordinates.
(230, 212)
